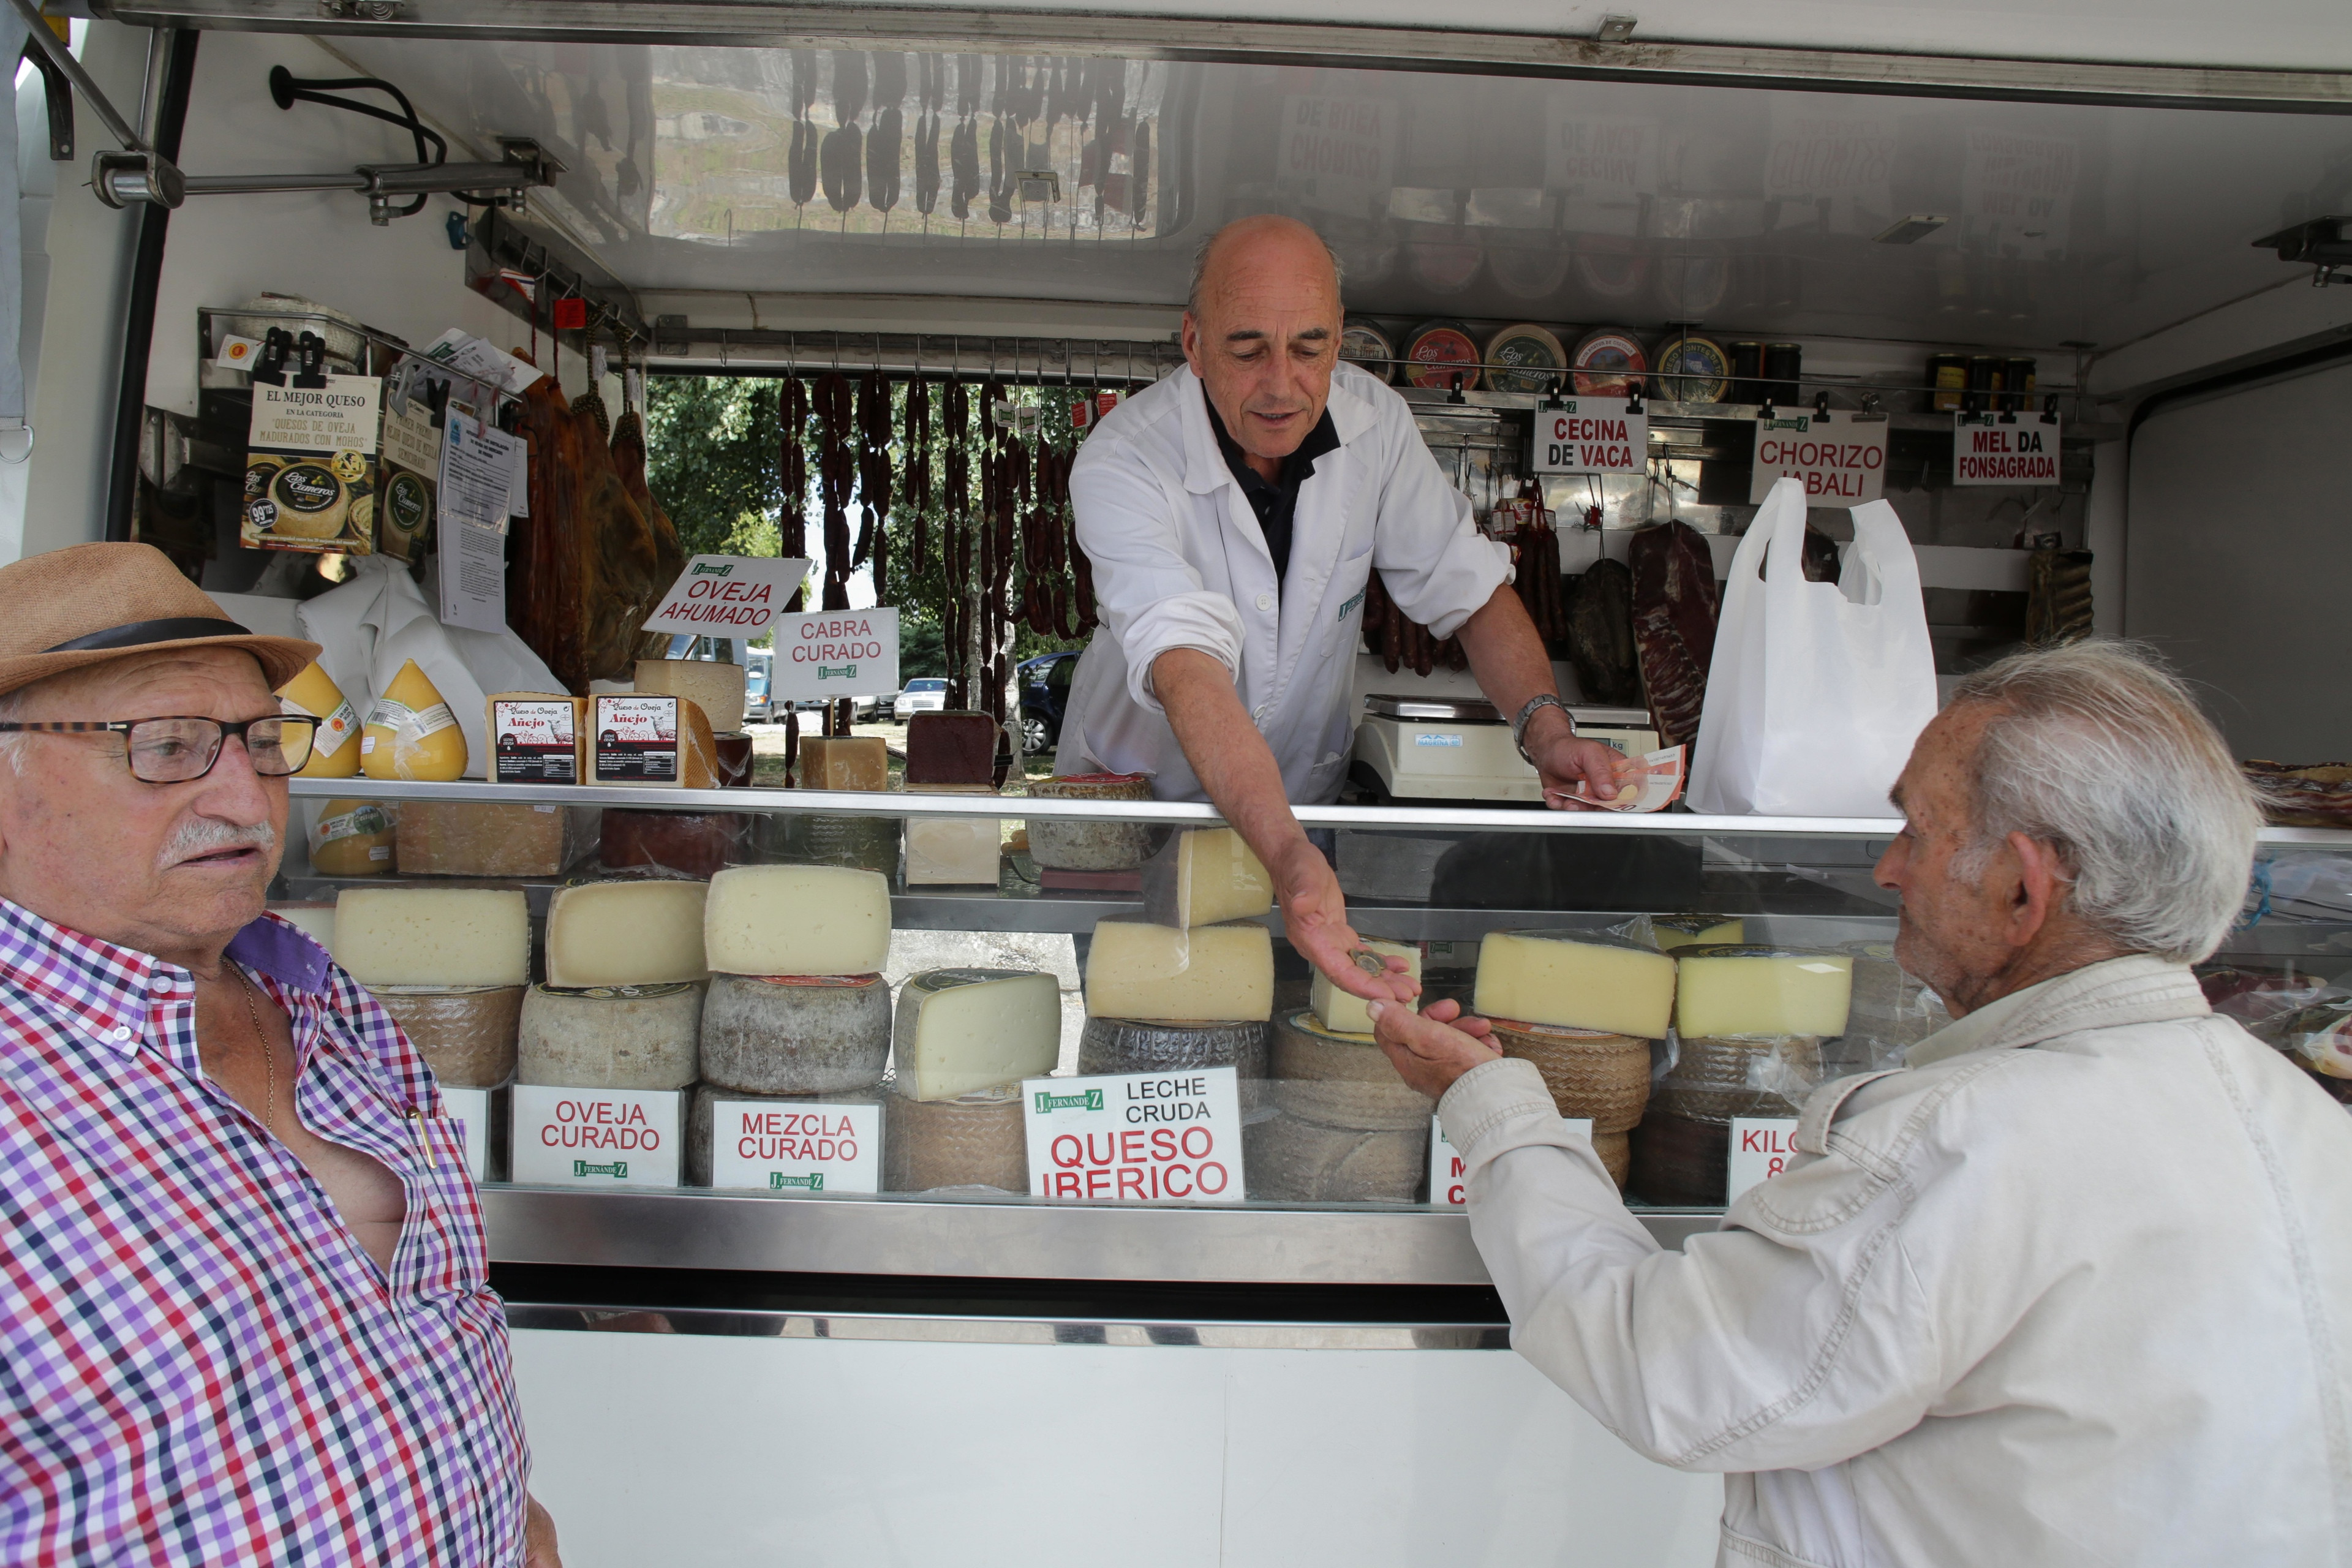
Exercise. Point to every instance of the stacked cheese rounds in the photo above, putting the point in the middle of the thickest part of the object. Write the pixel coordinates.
(450, 965)
(952, 754)
(622, 1004)
(964, 1039)
(1346, 1129)
(1089, 845)
(797, 1002)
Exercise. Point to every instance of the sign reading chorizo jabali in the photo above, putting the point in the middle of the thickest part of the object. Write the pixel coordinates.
(835, 653)
(1841, 458)
(728, 595)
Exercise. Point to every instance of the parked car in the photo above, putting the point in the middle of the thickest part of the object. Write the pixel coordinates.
(1044, 686)
(924, 694)
(758, 708)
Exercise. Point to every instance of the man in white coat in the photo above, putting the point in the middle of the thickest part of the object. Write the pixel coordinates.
(1233, 514)
(2073, 1287)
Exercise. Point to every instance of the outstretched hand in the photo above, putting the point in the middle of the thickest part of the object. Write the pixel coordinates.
(1315, 918)
(1432, 1048)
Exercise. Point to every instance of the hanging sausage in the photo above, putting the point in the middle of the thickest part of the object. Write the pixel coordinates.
(926, 134)
(840, 153)
(917, 461)
(963, 148)
(792, 523)
(955, 539)
(835, 476)
(885, 146)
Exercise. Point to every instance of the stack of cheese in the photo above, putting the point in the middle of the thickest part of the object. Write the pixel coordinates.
(622, 1005)
(964, 1040)
(450, 965)
(797, 1004)
(859, 763)
(952, 754)
(1346, 1128)
(1892, 1010)
(710, 698)
(718, 690)
(1583, 1006)
(1083, 845)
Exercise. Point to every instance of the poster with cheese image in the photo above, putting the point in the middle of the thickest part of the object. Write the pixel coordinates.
(310, 467)
(406, 477)
(1142, 1137)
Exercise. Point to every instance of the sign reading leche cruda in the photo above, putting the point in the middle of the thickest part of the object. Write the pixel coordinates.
(1136, 1136)
(310, 471)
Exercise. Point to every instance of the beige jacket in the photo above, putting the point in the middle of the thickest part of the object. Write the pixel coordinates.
(2074, 1288)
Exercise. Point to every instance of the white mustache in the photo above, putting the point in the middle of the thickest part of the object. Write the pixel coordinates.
(204, 835)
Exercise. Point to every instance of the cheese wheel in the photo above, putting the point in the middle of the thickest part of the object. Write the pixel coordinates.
(354, 838)
(434, 936)
(1751, 1075)
(845, 762)
(643, 931)
(1694, 370)
(1576, 979)
(853, 843)
(410, 733)
(1066, 844)
(1891, 1007)
(796, 1034)
(1151, 1044)
(698, 844)
(1344, 1011)
(1438, 352)
(334, 749)
(313, 919)
(951, 748)
(311, 501)
(797, 919)
(1608, 363)
(624, 1037)
(959, 1031)
(1758, 989)
(978, 1141)
(702, 1120)
(1672, 931)
(1340, 1080)
(1289, 1161)
(485, 838)
(1525, 360)
(1603, 1077)
(715, 689)
(1221, 974)
(1207, 875)
(465, 1033)
(1616, 1153)
(1368, 348)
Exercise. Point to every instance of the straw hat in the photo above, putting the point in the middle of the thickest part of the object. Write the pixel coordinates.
(71, 608)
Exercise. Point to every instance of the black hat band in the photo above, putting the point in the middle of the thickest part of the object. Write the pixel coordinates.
(137, 634)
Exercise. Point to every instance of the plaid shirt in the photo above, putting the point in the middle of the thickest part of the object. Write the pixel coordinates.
(198, 1362)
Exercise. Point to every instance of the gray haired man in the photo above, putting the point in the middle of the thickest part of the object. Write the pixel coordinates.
(2074, 1286)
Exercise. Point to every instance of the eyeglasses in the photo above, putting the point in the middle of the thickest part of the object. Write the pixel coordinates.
(177, 749)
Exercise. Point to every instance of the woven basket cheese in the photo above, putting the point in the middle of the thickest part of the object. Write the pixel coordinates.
(1603, 1076)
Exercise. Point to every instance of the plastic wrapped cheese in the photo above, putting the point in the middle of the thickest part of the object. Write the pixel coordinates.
(976, 1141)
(1340, 1080)
(639, 932)
(698, 844)
(796, 1034)
(1288, 1159)
(962, 1030)
(845, 762)
(1207, 875)
(953, 851)
(410, 733)
(465, 1033)
(1221, 973)
(1344, 1010)
(1764, 991)
(354, 838)
(797, 919)
(334, 748)
(1579, 979)
(1674, 931)
(628, 1037)
(434, 936)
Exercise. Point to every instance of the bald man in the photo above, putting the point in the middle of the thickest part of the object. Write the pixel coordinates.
(1233, 514)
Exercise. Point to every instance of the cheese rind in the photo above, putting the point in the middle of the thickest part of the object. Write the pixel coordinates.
(960, 1031)
(1577, 979)
(797, 919)
(953, 851)
(334, 749)
(485, 838)
(698, 844)
(978, 1141)
(796, 1034)
(1740, 990)
(1675, 932)
(635, 1037)
(1152, 1044)
(717, 689)
(1344, 1010)
(629, 933)
(1207, 975)
(1288, 1159)
(1336, 1080)
(465, 1033)
(410, 732)
(845, 762)
(1063, 844)
(434, 936)
(1207, 875)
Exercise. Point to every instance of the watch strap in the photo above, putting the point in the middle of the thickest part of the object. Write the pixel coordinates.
(1527, 714)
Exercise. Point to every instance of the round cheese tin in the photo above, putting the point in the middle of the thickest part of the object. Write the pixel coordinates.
(1437, 351)
(1608, 363)
(1694, 370)
(1526, 360)
(311, 501)
(1368, 348)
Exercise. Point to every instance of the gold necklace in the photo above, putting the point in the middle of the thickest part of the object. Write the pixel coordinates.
(269, 1057)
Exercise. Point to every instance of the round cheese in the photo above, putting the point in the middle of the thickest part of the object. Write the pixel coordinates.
(1603, 1076)
(353, 838)
(1437, 352)
(1150, 1045)
(960, 1031)
(1695, 370)
(483, 839)
(855, 843)
(1576, 979)
(334, 747)
(701, 1120)
(1209, 974)
(619, 1036)
(1290, 1161)
(795, 1033)
(311, 501)
(410, 733)
(698, 844)
(1526, 360)
(978, 1141)
(1616, 1152)
(1751, 989)
(1062, 844)
(465, 1033)
(1716, 1079)
(635, 930)
(1340, 1080)
(797, 919)
(1368, 348)
(1608, 363)
(434, 936)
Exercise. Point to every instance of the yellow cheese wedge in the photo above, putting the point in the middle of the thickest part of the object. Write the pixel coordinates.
(1344, 1010)
(1221, 974)
(845, 762)
(354, 838)
(1207, 875)
(1576, 980)
(1696, 930)
(411, 734)
(335, 751)
(717, 689)
(1734, 990)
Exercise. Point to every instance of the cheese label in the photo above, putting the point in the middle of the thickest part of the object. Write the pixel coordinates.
(408, 723)
(596, 1137)
(334, 729)
(361, 822)
(534, 742)
(795, 1150)
(1449, 1183)
(470, 1107)
(636, 739)
(1762, 1147)
(1136, 1136)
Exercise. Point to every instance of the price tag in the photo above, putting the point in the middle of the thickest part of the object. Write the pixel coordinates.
(1448, 1187)
(596, 1137)
(796, 1150)
(1136, 1136)
(1988, 452)
(1841, 459)
(731, 596)
(835, 653)
(1760, 1150)
(1590, 436)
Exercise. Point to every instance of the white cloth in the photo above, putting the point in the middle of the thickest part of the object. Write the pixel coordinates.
(2079, 1293)
(1180, 561)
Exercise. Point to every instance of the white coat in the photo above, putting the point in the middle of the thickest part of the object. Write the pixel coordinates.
(2075, 1287)
(1180, 561)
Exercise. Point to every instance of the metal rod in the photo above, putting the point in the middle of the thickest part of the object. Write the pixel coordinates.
(399, 180)
(50, 45)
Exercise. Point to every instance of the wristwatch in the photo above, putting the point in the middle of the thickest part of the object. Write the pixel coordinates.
(1519, 724)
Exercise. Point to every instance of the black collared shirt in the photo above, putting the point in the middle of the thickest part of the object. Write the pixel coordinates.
(1275, 503)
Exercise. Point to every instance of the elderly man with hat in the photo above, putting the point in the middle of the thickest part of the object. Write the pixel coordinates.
(246, 1316)
(2073, 1285)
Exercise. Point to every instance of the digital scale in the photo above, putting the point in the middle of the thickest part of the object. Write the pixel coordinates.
(1458, 748)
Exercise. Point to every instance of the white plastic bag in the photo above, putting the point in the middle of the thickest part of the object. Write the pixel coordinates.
(1818, 689)
(367, 628)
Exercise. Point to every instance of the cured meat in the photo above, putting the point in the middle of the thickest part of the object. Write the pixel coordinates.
(1675, 601)
(801, 161)
(588, 563)
(927, 136)
(628, 448)
(918, 485)
(874, 434)
(2303, 795)
(1601, 634)
(836, 467)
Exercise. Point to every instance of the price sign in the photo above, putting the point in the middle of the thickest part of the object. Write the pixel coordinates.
(1762, 1147)
(2023, 451)
(1448, 1184)
(1136, 1136)
(1841, 459)
(595, 1137)
(1590, 436)
(836, 653)
(797, 1150)
(728, 595)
